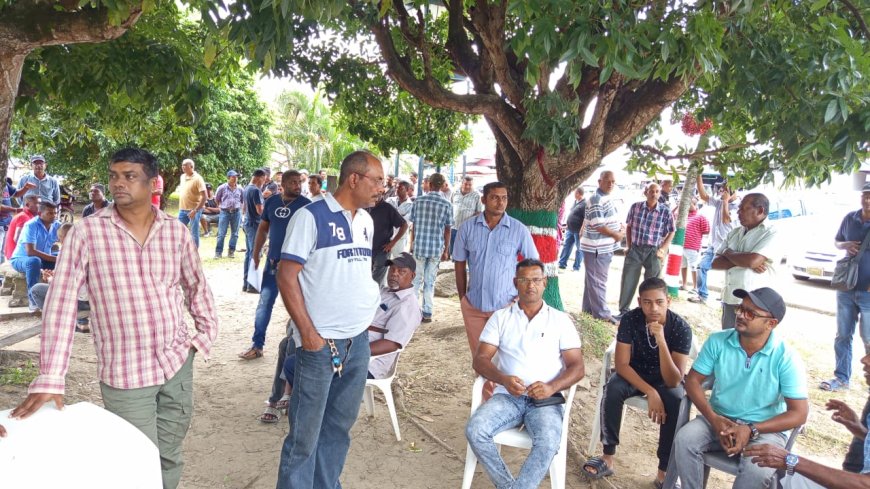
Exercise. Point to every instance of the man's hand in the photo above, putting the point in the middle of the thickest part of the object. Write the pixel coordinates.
(657, 329)
(388, 247)
(852, 247)
(191, 215)
(445, 255)
(656, 408)
(29, 185)
(2, 431)
(739, 435)
(514, 385)
(846, 416)
(33, 402)
(767, 456)
(661, 253)
(760, 268)
(313, 342)
(720, 424)
(540, 390)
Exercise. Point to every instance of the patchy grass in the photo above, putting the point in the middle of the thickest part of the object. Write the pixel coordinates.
(595, 334)
(23, 374)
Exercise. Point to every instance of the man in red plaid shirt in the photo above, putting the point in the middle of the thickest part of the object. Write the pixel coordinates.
(140, 268)
(648, 233)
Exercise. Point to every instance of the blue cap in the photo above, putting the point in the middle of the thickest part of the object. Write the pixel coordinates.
(232, 173)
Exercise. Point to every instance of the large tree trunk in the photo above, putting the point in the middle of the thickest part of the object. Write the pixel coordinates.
(535, 198)
(11, 64)
(28, 25)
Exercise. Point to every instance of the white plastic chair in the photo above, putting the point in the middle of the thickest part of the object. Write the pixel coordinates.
(386, 387)
(639, 402)
(520, 439)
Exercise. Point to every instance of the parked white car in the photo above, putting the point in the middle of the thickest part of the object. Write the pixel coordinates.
(813, 255)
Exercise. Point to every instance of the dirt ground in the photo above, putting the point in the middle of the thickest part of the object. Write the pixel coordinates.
(227, 447)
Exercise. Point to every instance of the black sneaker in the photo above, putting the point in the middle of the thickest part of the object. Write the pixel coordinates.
(427, 319)
(231, 254)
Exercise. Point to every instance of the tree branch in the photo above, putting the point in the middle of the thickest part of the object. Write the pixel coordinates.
(459, 46)
(53, 27)
(858, 17)
(490, 23)
(695, 155)
(430, 91)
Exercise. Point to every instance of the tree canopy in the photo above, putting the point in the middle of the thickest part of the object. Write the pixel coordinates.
(564, 83)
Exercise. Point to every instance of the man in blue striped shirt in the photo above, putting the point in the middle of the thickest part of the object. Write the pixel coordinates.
(432, 216)
(490, 244)
(600, 239)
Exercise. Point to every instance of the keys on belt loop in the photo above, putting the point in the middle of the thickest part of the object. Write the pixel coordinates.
(337, 365)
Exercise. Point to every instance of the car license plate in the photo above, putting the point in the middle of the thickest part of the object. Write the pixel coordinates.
(816, 272)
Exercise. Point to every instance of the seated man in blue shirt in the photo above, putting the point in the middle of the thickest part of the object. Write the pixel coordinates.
(759, 392)
(802, 473)
(33, 252)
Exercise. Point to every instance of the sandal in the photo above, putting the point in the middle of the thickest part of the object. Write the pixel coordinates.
(601, 470)
(833, 385)
(270, 415)
(251, 354)
(283, 403)
(82, 329)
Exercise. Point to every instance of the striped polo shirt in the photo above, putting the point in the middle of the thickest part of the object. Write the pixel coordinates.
(599, 211)
(335, 251)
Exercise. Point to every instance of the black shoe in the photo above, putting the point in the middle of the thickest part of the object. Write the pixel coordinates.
(231, 254)
(427, 319)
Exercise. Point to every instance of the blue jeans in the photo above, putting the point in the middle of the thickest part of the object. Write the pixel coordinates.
(30, 266)
(229, 218)
(250, 234)
(572, 240)
(849, 306)
(268, 294)
(323, 408)
(502, 412)
(427, 271)
(703, 268)
(192, 224)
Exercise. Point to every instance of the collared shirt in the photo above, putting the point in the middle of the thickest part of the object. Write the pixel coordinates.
(138, 294)
(465, 207)
(229, 198)
(430, 215)
(334, 248)
(190, 191)
(644, 349)
(399, 313)
(751, 389)
(600, 211)
(404, 208)
(696, 227)
(34, 232)
(47, 189)
(649, 226)
(866, 469)
(530, 350)
(762, 240)
(17, 223)
(853, 228)
(492, 259)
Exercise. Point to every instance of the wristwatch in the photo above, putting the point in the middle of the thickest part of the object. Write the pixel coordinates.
(753, 432)
(791, 460)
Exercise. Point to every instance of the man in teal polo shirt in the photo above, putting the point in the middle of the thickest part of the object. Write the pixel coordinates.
(759, 392)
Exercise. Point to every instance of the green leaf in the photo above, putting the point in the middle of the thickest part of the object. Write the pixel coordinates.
(605, 74)
(831, 111)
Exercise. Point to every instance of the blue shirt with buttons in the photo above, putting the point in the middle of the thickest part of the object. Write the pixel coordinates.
(853, 228)
(34, 232)
(751, 389)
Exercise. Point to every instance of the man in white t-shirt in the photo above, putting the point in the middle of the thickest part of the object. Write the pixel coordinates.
(328, 247)
(538, 357)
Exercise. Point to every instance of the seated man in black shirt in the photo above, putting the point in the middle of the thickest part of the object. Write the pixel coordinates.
(210, 213)
(652, 350)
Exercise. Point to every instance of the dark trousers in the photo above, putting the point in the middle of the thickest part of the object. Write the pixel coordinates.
(286, 348)
(854, 461)
(379, 266)
(616, 391)
(637, 257)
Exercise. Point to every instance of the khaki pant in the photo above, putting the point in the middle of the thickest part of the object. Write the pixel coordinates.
(162, 412)
(475, 320)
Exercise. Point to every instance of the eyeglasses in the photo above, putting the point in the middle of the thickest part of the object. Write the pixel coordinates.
(378, 181)
(536, 281)
(750, 314)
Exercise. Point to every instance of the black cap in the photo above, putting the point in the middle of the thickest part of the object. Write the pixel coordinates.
(765, 298)
(404, 260)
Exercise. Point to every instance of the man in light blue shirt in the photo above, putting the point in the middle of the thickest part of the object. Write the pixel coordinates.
(39, 182)
(759, 392)
(489, 244)
(33, 252)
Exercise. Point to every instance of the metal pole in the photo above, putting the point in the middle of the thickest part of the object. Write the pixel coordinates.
(396, 170)
(420, 176)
